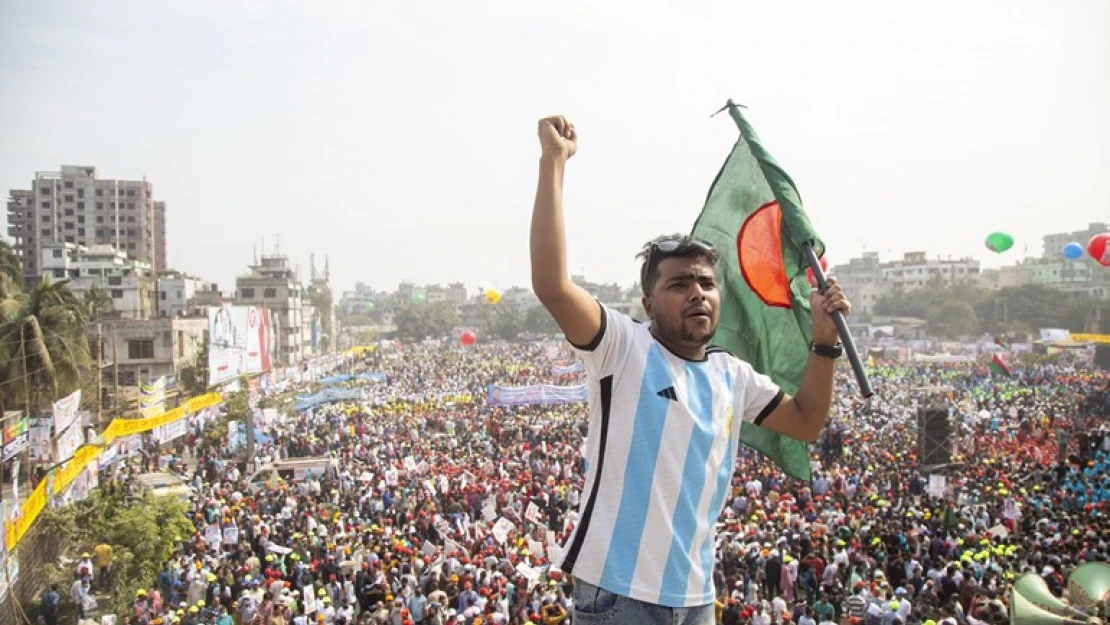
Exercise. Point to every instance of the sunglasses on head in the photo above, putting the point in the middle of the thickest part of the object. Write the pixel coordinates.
(671, 244)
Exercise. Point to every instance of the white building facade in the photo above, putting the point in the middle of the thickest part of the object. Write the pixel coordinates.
(175, 292)
(129, 283)
(273, 284)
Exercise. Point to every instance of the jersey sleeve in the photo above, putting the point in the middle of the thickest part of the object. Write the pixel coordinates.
(603, 354)
(756, 394)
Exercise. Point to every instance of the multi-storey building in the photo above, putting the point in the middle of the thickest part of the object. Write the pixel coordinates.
(916, 271)
(520, 297)
(74, 206)
(273, 284)
(863, 279)
(207, 297)
(361, 301)
(175, 290)
(1054, 243)
(144, 350)
(160, 262)
(1080, 275)
(129, 283)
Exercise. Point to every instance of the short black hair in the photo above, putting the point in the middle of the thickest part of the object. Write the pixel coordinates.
(678, 246)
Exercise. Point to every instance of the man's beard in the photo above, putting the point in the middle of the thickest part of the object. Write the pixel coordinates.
(676, 330)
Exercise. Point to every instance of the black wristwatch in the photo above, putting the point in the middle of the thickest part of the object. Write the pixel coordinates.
(827, 351)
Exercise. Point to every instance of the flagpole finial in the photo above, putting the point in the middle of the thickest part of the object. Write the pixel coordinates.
(727, 106)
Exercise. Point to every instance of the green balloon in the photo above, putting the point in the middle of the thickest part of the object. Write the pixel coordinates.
(999, 242)
(418, 298)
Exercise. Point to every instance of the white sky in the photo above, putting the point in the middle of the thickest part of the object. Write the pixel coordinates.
(354, 128)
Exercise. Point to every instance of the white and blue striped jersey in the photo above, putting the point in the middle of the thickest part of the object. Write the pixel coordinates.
(660, 454)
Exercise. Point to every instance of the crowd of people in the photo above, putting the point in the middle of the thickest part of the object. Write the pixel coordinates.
(438, 508)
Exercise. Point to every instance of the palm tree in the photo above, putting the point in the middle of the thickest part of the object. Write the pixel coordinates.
(44, 348)
(11, 271)
(97, 304)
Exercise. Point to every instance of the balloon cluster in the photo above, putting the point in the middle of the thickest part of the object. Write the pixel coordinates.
(1098, 248)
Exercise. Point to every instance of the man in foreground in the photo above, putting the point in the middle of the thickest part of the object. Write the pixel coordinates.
(662, 438)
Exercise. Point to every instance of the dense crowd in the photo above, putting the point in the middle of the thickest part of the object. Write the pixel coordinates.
(443, 509)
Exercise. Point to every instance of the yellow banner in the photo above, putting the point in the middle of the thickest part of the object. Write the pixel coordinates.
(201, 402)
(68, 472)
(71, 470)
(28, 512)
(1103, 339)
(126, 427)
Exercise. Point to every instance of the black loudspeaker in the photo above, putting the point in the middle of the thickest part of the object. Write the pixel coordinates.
(932, 437)
(1102, 356)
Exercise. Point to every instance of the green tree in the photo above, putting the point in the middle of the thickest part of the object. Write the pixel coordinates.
(507, 322)
(11, 271)
(1010, 311)
(194, 376)
(142, 535)
(44, 346)
(538, 321)
(97, 304)
(321, 300)
(365, 337)
(420, 321)
(236, 406)
(355, 321)
(953, 318)
(1042, 307)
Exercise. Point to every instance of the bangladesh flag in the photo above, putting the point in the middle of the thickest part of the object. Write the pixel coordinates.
(948, 518)
(999, 365)
(753, 216)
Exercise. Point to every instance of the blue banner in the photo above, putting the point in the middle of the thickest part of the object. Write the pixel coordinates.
(562, 369)
(327, 396)
(536, 394)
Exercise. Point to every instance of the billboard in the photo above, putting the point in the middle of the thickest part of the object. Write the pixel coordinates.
(152, 398)
(240, 339)
(17, 437)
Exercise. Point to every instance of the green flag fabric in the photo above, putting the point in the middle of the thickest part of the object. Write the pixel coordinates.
(1000, 366)
(753, 216)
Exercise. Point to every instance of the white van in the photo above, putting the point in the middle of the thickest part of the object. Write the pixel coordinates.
(292, 471)
(164, 485)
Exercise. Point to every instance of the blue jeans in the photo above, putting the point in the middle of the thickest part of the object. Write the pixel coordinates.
(594, 606)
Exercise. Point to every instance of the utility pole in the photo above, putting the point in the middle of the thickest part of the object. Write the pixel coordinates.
(26, 455)
(248, 420)
(115, 373)
(99, 373)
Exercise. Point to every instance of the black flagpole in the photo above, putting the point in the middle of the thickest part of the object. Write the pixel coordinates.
(841, 325)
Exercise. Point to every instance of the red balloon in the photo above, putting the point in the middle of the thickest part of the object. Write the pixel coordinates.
(809, 272)
(1099, 248)
(468, 338)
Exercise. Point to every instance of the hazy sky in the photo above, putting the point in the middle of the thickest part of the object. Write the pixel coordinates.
(399, 137)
